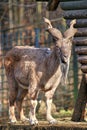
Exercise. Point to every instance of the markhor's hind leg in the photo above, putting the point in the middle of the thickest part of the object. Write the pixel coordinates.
(21, 94)
(12, 97)
(33, 119)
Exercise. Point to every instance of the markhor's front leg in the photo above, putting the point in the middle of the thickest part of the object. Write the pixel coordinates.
(49, 117)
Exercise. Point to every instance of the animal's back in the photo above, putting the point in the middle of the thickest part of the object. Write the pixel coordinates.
(25, 59)
(26, 53)
(29, 53)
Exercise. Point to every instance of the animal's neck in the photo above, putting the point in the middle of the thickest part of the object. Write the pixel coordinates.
(52, 63)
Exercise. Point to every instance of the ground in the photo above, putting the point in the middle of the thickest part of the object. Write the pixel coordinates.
(63, 124)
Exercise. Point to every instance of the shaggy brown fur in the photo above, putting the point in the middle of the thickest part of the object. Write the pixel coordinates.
(31, 70)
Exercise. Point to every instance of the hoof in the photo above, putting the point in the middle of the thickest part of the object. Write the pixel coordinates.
(53, 121)
(13, 120)
(33, 122)
(24, 119)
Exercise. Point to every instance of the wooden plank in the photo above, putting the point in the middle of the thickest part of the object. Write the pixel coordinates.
(80, 41)
(82, 32)
(81, 50)
(84, 68)
(75, 14)
(74, 5)
(80, 23)
(82, 59)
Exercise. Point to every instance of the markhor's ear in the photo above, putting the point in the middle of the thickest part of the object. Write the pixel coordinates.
(71, 31)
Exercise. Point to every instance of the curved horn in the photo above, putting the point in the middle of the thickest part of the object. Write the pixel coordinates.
(71, 31)
(53, 31)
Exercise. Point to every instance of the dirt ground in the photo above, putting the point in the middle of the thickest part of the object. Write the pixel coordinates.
(63, 124)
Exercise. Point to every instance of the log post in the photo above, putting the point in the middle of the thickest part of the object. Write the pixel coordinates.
(53, 4)
(79, 109)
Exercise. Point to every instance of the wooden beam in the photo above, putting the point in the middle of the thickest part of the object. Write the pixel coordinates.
(73, 5)
(82, 32)
(84, 68)
(71, 14)
(82, 59)
(82, 50)
(80, 41)
(79, 109)
(81, 22)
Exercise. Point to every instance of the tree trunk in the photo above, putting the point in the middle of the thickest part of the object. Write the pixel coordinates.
(53, 4)
(21, 14)
(10, 14)
(16, 14)
(78, 114)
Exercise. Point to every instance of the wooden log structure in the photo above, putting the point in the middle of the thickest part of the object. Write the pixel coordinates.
(78, 10)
